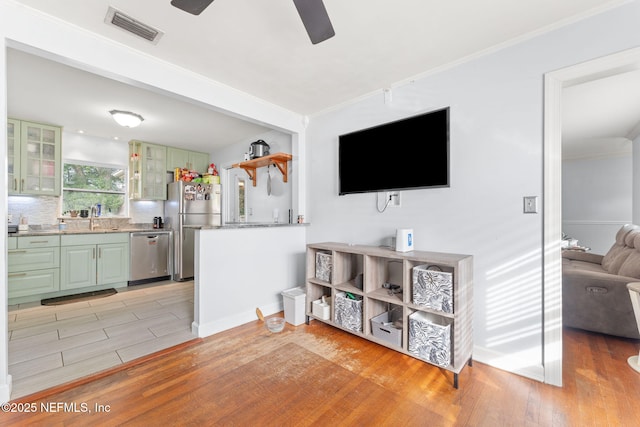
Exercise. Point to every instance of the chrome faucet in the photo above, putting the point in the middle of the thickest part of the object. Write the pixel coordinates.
(92, 217)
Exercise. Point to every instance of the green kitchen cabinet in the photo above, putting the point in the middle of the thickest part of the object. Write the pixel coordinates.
(79, 266)
(33, 265)
(13, 156)
(192, 160)
(33, 158)
(94, 260)
(147, 171)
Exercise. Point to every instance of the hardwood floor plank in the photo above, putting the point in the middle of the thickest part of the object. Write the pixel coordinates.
(315, 375)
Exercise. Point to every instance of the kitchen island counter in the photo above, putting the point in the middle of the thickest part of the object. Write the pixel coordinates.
(231, 225)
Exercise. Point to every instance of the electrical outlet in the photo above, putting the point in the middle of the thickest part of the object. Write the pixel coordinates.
(394, 199)
(530, 204)
(10, 218)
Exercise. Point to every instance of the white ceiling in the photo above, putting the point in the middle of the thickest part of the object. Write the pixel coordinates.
(261, 48)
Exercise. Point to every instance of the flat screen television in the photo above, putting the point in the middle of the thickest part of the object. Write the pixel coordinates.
(411, 153)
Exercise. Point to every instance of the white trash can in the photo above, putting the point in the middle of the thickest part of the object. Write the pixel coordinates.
(294, 305)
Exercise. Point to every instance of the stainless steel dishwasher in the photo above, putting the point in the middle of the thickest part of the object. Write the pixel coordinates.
(149, 256)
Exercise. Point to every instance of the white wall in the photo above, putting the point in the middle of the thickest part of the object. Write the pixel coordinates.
(596, 199)
(260, 205)
(239, 270)
(496, 158)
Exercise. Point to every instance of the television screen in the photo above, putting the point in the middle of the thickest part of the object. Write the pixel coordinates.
(406, 154)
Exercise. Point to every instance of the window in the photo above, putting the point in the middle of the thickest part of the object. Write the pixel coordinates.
(85, 185)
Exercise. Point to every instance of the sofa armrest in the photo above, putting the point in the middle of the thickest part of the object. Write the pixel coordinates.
(583, 256)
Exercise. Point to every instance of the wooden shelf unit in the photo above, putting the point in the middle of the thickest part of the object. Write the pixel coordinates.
(280, 160)
(378, 265)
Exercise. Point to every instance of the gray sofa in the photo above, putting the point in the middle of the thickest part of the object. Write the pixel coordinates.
(594, 287)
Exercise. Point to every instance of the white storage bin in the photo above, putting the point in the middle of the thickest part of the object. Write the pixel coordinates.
(320, 309)
(348, 312)
(433, 288)
(294, 305)
(430, 338)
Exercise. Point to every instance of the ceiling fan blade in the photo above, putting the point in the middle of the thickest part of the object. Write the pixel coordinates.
(315, 19)
(194, 7)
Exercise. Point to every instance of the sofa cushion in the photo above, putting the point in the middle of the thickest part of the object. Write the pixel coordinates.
(623, 254)
(631, 266)
(617, 248)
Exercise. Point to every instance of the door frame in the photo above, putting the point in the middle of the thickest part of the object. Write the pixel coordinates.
(554, 83)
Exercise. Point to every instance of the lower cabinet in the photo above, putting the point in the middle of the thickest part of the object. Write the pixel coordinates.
(33, 265)
(85, 262)
(55, 265)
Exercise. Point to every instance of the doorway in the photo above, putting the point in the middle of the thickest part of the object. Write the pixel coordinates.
(554, 83)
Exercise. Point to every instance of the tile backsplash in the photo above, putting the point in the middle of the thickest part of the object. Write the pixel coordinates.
(43, 210)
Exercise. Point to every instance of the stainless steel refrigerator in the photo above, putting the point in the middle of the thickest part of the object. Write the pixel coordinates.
(188, 207)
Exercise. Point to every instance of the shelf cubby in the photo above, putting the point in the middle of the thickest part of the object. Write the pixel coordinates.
(364, 271)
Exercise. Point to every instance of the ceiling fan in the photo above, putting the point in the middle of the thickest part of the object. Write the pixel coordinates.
(312, 12)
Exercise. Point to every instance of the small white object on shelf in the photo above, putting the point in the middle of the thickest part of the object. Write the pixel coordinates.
(404, 239)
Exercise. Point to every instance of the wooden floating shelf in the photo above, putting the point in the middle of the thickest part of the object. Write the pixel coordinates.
(280, 160)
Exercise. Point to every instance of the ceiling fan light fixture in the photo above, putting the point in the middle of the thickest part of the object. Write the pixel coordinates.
(126, 118)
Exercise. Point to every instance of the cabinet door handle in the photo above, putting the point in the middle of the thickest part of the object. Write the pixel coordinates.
(22, 184)
(33, 242)
(100, 253)
(15, 184)
(17, 274)
(94, 253)
(13, 251)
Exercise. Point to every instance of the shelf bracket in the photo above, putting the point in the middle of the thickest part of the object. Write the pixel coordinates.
(252, 174)
(280, 160)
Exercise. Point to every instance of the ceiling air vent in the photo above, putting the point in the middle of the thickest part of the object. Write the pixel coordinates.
(131, 25)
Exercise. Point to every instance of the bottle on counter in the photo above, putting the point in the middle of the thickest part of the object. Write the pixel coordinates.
(62, 225)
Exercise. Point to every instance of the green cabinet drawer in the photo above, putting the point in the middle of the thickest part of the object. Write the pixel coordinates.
(12, 243)
(28, 242)
(27, 283)
(93, 239)
(33, 259)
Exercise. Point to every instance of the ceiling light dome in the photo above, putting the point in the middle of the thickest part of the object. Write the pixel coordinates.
(126, 118)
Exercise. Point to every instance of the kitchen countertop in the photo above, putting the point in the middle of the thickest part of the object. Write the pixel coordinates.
(56, 232)
(68, 231)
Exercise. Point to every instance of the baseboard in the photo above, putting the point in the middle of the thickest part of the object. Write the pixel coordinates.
(5, 390)
(509, 363)
(219, 325)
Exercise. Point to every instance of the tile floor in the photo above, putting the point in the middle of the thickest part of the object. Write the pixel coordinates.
(51, 345)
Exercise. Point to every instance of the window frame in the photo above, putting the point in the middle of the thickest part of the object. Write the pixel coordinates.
(125, 192)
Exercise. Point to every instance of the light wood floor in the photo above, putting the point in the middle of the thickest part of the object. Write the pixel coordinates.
(52, 345)
(318, 375)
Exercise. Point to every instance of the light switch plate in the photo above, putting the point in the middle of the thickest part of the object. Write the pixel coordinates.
(530, 204)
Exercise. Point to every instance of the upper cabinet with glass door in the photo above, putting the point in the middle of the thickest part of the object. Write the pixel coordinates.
(147, 171)
(33, 158)
(13, 156)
